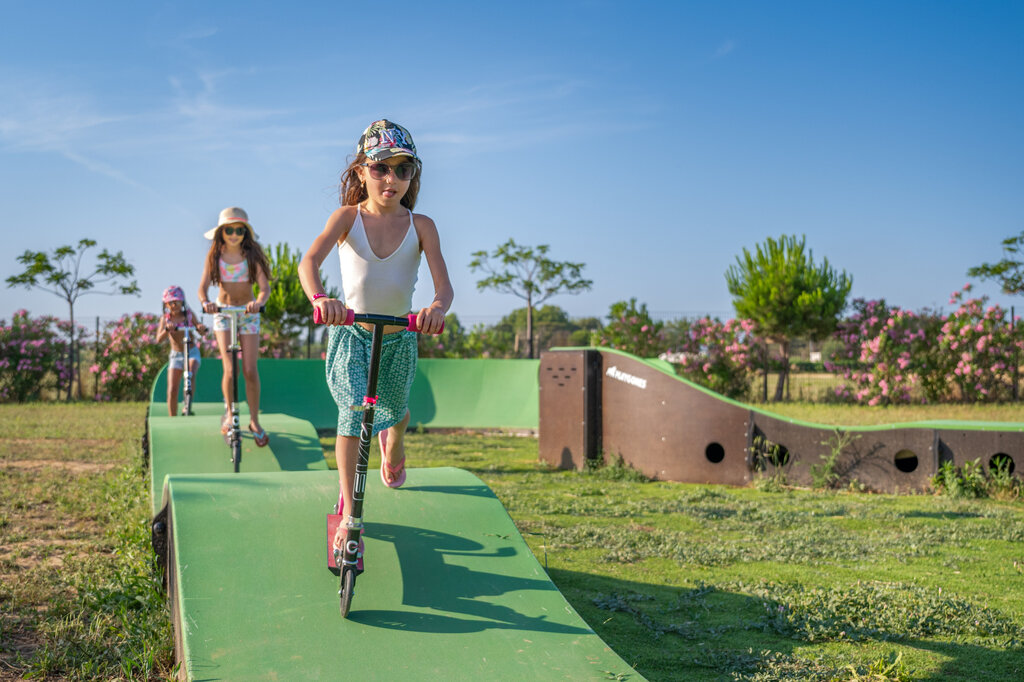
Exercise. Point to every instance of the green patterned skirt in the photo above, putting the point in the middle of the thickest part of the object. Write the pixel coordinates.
(348, 367)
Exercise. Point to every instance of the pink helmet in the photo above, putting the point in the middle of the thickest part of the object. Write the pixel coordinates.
(174, 293)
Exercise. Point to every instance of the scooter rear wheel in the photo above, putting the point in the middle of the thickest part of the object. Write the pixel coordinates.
(348, 584)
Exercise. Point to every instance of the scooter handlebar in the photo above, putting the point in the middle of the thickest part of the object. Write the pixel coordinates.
(351, 317)
(236, 308)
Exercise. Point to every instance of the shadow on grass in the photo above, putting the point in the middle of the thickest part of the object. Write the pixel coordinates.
(672, 633)
(974, 662)
(942, 516)
(706, 633)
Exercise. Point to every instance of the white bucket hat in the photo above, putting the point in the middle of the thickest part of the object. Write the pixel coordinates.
(231, 214)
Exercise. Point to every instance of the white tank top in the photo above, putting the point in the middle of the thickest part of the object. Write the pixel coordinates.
(378, 285)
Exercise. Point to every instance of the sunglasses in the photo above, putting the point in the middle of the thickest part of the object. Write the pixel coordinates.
(403, 171)
(240, 231)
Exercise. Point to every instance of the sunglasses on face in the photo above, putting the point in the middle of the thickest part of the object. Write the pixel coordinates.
(403, 171)
(240, 230)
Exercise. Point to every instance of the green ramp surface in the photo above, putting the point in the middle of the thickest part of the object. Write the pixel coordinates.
(475, 394)
(471, 393)
(194, 445)
(451, 591)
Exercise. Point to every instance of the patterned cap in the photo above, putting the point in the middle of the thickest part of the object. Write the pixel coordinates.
(384, 139)
(173, 293)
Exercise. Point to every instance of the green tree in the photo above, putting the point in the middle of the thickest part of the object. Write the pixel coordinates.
(60, 273)
(450, 343)
(1009, 271)
(528, 273)
(549, 324)
(786, 295)
(287, 313)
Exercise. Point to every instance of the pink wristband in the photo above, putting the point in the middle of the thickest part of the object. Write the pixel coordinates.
(316, 296)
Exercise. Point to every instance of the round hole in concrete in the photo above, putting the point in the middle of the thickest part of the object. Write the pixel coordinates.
(714, 452)
(905, 461)
(1000, 461)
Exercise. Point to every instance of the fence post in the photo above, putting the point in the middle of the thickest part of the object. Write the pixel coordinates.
(95, 361)
(1016, 356)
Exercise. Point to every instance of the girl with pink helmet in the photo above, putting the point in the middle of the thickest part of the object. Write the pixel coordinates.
(176, 313)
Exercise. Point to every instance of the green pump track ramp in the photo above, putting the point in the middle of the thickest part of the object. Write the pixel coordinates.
(451, 591)
(446, 393)
(194, 445)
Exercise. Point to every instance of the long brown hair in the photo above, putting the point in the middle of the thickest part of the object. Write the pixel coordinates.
(254, 256)
(353, 191)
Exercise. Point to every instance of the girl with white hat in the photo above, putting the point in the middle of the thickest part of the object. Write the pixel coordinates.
(234, 263)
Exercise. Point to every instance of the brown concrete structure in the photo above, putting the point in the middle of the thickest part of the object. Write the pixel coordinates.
(604, 403)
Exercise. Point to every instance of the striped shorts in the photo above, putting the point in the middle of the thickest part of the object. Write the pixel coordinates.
(348, 367)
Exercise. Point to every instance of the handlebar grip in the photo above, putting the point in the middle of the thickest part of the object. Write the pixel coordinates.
(350, 317)
(413, 328)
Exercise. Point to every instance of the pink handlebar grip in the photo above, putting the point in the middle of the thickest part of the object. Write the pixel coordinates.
(350, 317)
(413, 328)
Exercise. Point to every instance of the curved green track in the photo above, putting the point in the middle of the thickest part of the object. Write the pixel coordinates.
(450, 591)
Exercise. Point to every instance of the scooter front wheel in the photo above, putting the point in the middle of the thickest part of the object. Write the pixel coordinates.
(348, 584)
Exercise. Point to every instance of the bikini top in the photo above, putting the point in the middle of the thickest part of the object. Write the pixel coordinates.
(234, 272)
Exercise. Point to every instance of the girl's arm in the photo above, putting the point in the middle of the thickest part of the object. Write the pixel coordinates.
(338, 225)
(161, 329)
(430, 320)
(204, 286)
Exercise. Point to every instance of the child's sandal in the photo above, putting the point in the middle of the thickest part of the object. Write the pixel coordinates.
(396, 471)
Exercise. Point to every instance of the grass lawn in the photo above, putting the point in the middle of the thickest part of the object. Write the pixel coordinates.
(700, 582)
(684, 581)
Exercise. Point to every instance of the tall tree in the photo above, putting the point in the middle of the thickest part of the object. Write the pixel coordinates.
(786, 295)
(1009, 271)
(60, 273)
(287, 312)
(527, 272)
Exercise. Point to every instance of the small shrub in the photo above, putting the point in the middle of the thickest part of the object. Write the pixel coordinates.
(631, 329)
(1002, 485)
(31, 351)
(966, 482)
(613, 468)
(131, 358)
(772, 483)
(824, 475)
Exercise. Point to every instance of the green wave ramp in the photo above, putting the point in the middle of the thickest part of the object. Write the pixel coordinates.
(451, 591)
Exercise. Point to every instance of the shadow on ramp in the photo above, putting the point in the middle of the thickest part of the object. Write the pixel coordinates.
(454, 590)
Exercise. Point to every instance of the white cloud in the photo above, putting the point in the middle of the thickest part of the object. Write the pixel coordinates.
(726, 48)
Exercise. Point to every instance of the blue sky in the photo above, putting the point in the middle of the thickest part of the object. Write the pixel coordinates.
(652, 141)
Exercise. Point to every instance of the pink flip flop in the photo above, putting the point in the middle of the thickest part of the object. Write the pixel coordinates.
(397, 471)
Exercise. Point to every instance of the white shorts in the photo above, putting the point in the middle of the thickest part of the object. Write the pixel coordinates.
(177, 359)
